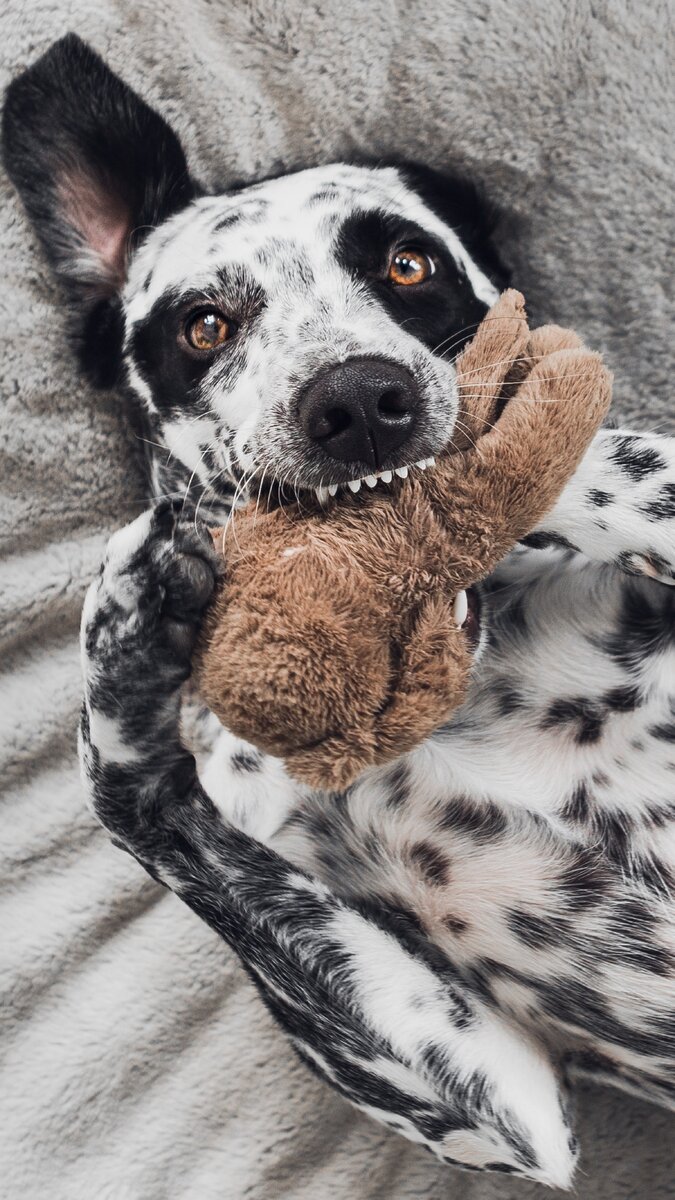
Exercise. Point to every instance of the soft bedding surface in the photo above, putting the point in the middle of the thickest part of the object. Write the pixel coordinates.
(137, 1061)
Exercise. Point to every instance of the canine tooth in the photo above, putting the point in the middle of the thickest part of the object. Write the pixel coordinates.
(321, 494)
(386, 476)
(402, 472)
(332, 489)
(460, 609)
(354, 485)
(370, 480)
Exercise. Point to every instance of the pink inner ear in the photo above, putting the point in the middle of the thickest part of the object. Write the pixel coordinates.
(103, 221)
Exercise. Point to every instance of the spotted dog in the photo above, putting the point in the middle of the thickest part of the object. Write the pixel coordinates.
(465, 930)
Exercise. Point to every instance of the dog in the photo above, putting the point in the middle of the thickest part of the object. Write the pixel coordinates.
(470, 927)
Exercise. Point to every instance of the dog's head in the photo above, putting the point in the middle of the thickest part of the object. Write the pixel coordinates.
(301, 329)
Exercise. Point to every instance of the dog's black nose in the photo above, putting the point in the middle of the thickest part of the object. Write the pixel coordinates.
(361, 410)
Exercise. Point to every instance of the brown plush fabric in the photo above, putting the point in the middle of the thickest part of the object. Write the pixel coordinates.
(331, 642)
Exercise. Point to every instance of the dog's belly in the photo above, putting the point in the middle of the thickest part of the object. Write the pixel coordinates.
(533, 839)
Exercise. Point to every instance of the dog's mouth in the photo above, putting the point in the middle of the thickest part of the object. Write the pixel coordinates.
(279, 492)
(372, 480)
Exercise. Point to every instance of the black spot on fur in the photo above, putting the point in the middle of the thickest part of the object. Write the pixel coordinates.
(635, 459)
(578, 807)
(583, 1007)
(516, 617)
(584, 714)
(540, 541)
(622, 699)
(584, 880)
(632, 932)
(534, 931)
(226, 222)
(328, 193)
(600, 779)
(397, 783)
(600, 498)
(662, 507)
(660, 815)
(614, 830)
(246, 760)
(655, 875)
(664, 732)
(507, 698)
(431, 862)
(456, 925)
(483, 822)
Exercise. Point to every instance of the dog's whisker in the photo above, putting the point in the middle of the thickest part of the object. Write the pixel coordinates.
(523, 359)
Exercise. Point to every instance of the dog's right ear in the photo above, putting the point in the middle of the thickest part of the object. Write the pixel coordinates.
(95, 167)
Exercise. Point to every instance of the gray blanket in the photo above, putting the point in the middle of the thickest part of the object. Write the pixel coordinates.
(137, 1061)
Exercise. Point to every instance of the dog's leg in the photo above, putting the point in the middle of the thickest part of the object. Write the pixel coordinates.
(376, 1011)
(619, 507)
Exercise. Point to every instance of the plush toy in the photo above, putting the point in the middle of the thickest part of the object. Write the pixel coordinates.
(342, 634)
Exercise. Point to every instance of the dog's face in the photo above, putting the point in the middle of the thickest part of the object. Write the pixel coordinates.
(300, 330)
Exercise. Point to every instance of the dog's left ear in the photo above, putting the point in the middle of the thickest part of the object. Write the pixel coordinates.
(95, 167)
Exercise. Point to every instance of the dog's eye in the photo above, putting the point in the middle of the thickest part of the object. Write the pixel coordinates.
(410, 266)
(207, 330)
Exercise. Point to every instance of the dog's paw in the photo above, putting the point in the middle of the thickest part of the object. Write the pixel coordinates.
(141, 616)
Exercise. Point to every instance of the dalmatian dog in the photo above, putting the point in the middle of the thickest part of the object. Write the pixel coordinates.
(464, 931)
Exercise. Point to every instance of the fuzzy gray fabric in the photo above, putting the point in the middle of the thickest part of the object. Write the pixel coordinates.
(138, 1061)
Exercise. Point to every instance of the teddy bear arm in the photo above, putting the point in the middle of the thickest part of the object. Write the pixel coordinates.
(494, 495)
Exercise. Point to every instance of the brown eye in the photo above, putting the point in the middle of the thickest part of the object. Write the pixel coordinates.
(207, 330)
(410, 266)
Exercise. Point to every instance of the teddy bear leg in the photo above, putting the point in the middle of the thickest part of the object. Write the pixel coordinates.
(431, 684)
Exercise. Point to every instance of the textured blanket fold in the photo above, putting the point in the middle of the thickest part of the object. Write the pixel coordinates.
(136, 1060)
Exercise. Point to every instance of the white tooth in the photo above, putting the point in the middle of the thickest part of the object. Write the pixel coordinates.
(460, 609)
(354, 485)
(402, 472)
(431, 462)
(321, 494)
(371, 480)
(332, 489)
(386, 476)
(422, 464)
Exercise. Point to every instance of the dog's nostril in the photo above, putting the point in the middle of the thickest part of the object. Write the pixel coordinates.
(393, 403)
(361, 410)
(333, 421)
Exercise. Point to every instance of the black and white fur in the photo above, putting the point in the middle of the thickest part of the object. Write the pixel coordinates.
(465, 930)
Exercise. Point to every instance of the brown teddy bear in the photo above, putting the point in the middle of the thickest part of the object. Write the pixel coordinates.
(341, 634)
